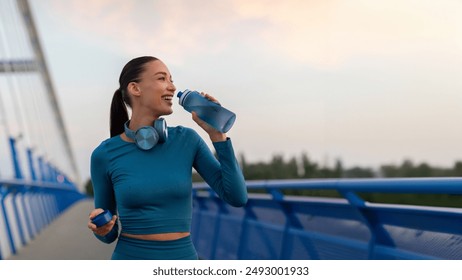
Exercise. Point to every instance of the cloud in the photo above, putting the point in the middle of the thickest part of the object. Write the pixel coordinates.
(175, 28)
(329, 33)
(324, 34)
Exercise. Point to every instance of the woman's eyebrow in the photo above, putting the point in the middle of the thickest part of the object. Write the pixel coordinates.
(163, 73)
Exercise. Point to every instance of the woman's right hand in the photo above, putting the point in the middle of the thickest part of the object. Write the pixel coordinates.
(102, 230)
(215, 135)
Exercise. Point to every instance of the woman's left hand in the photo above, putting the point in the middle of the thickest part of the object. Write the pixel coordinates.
(215, 135)
(104, 229)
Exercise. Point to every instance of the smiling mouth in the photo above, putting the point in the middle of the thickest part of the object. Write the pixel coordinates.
(167, 97)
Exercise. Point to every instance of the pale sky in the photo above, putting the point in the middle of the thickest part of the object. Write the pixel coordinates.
(369, 82)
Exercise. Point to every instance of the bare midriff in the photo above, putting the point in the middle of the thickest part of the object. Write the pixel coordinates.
(158, 236)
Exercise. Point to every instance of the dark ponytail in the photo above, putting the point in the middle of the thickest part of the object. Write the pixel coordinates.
(130, 73)
(119, 114)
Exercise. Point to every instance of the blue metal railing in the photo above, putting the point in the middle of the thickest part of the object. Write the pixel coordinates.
(277, 226)
(26, 207)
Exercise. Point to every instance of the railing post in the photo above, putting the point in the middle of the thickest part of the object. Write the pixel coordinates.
(14, 157)
(216, 228)
(42, 169)
(41, 210)
(378, 234)
(35, 219)
(26, 212)
(291, 222)
(279, 198)
(249, 214)
(17, 217)
(4, 193)
(31, 165)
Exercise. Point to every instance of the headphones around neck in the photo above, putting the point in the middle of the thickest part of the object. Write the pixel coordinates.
(147, 137)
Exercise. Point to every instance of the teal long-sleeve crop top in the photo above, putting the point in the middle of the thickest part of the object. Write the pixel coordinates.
(152, 190)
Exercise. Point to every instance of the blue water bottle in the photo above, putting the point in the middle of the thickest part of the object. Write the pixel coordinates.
(210, 112)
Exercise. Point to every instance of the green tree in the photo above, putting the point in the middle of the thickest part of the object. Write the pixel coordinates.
(457, 169)
(89, 188)
(309, 168)
(358, 172)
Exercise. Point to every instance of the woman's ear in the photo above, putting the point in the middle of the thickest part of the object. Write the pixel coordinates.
(134, 89)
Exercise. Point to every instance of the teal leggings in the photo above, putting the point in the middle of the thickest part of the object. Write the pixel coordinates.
(136, 249)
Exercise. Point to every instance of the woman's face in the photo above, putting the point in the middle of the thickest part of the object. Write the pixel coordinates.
(156, 89)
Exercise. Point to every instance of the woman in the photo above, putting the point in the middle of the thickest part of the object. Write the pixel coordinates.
(150, 187)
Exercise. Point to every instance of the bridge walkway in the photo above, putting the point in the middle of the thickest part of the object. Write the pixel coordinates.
(67, 238)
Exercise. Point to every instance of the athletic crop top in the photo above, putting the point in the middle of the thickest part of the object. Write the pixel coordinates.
(152, 190)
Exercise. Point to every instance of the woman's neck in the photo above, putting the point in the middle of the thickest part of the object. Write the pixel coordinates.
(138, 121)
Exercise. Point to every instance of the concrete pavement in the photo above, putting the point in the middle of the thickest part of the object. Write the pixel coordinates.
(67, 238)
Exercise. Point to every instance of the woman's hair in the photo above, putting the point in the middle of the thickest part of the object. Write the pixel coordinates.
(130, 73)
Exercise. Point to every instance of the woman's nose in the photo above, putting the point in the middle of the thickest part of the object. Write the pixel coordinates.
(172, 86)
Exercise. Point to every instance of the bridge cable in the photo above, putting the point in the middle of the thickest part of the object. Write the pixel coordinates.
(51, 95)
(3, 112)
(11, 81)
(36, 131)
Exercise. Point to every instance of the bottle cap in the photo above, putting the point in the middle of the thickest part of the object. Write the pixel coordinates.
(182, 95)
(102, 218)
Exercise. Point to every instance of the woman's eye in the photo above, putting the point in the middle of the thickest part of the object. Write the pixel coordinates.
(162, 78)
